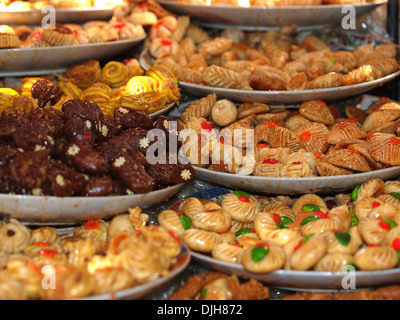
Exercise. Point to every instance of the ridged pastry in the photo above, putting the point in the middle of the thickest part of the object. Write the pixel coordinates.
(387, 151)
(160, 238)
(215, 220)
(120, 224)
(321, 225)
(14, 236)
(60, 36)
(170, 220)
(350, 241)
(376, 258)
(201, 240)
(104, 35)
(200, 108)
(309, 199)
(341, 213)
(241, 209)
(112, 280)
(183, 23)
(85, 74)
(9, 41)
(348, 159)
(215, 47)
(314, 136)
(282, 137)
(372, 231)
(334, 262)
(227, 252)
(379, 117)
(264, 257)
(191, 206)
(145, 18)
(316, 110)
(44, 234)
(296, 170)
(345, 131)
(216, 76)
(308, 252)
(161, 47)
(95, 229)
(329, 80)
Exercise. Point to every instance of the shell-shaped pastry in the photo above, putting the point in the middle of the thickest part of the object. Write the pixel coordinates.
(344, 241)
(210, 204)
(264, 257)
(379, 117)
(364, 206)
(363, 150)
(200, 108)
(241, 209)
(296, 121)
(321, 225)
(216, 76)
(191, 206)
(160, 238)
(348, 159)
(376, 258)
(388, 127)
(314, 136)
(14, 236)
(215, 220)
(326, 169)
(307, 254)
(282, 137)
(371, 231)
(334, 262)
(309, 199)
(345, 131)
(44, 234)
(201, 240)
(170, 220)
(227, 252)
(280, 209)
(387, 151)
(318, 111)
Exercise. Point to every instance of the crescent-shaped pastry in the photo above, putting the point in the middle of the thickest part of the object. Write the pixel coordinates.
(364, 206)
(372, 230)
(227, 252)
(170, 220)
(384, 211)
(280, 209)
(241, 208)
(391, 186)
(14, 236)
(307, 200)
(264, 257)
(334, 262)
(388, 198)
(321, 225)
(341, 213)
(376, 258)
(191, 206)
(308, 252)
(201, 240)
(215, 220)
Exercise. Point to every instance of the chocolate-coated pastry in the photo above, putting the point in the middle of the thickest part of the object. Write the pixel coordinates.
(170, 128)
(29, 169)
(84, 110)
(137, 137)
(5, 180)
(65, 181)
(7, 153)
(79, 132)
(119, 188)
(132, 118)
(87, 160)
(99, 186)
(132, 174)
(114, 148)
(9, 122)
(114, 128)
(171, 172)
(33, 136)
(46, 92)
(53, 118)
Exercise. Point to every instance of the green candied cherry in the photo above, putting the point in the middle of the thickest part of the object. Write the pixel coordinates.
(187, 223)
(354, 219)
(309, 219)
(354, 193)
(342, 236)
(310, 208)
(281, 222)
(260, 250)
(243, 196)
(395, 194)
(244, 231)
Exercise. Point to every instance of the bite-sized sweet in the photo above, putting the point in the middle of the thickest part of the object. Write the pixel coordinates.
(46, 92)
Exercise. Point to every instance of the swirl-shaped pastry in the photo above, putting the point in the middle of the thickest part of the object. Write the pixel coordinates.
(115, 74)
(334, 262)
(201, 240)
(308, 252)
(376, 258)
(139, 84)
(264, 257)
(241, 206)
(14, 236)
(309, 200)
